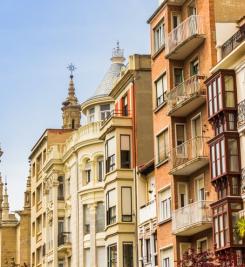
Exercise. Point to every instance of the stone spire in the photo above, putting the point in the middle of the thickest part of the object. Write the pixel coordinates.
(70, 107)
(1, 196)
(5, 205)
(27, 203)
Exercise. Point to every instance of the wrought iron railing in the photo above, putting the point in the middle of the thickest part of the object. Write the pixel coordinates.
(233, 42)
(241, 114)
(64, 238)
(190, 215)
(189, 88)
(116, 113)
(196, 147)
(192, 26)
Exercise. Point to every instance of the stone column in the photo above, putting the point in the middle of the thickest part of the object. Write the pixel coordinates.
(92, 209)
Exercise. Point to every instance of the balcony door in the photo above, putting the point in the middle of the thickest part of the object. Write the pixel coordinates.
(196, 136)
(180, 129)
(182, 194)
(176, 20)
(199, 188)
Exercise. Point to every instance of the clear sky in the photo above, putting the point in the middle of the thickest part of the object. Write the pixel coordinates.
(38, 40)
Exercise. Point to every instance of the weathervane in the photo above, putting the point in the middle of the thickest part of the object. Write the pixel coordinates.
(71, 68)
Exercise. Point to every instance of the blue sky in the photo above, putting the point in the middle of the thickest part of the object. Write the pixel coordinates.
(38, 40)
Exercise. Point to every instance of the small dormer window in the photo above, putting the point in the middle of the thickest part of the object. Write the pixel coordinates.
(91, 115)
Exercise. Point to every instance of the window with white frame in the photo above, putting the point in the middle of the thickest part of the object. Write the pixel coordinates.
(91, 112)
(112, 255)
(104, 111)
(162, 146)
(159, 37)
(180, 129)
(87, 172)
(161, 89)
(202, 245)
(167, 258)
(165, 204)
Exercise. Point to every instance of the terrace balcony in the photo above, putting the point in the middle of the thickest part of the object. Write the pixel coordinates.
(147, 212)
(241, 116)
(187, 96)
(64, 242)
(185, 38)
(192, 218)
(190, 156)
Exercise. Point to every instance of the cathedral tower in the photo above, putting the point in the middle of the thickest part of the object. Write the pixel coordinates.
(71, 108)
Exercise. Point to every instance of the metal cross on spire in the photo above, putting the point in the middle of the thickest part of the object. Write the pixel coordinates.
(71, 68)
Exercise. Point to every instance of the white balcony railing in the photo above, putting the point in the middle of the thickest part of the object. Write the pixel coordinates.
(190, 27)
(147, 212)
(192, 215)
(188, 89)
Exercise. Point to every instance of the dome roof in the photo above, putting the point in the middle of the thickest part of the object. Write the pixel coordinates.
(112, 73)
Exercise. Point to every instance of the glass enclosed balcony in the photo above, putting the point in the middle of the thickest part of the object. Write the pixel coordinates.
(192, 218)
(186, 96)
(185, 38)
(190, 156)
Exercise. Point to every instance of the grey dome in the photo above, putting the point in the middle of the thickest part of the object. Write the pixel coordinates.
(112, 74)
(109, 79)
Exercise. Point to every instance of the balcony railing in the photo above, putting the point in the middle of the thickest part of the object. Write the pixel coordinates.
(116, 113)
(190, 88)
(233, 42)
(241, 114)
(190, 27)
(147, 212)
(192, 216)
(191, 149)
(64, 238)
(190, 156)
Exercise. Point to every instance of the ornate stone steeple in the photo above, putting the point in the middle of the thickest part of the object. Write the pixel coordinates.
(1, 197)
(27, 203)
(5, 205)
(71, 108)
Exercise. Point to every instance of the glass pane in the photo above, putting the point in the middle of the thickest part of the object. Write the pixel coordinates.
(111, 147)
(112, 198)
(229, 91)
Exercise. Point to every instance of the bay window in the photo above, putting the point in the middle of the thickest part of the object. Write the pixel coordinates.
(111, 207)
(125, 151)
(126, 202)
(221, 92)
(110, 149)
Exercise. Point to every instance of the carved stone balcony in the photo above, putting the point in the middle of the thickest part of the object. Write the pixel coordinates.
(187, 96)
(185, 38)
(190, 156)
(147, 212)
(64, 243)
(241, 116)
(192, 218)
